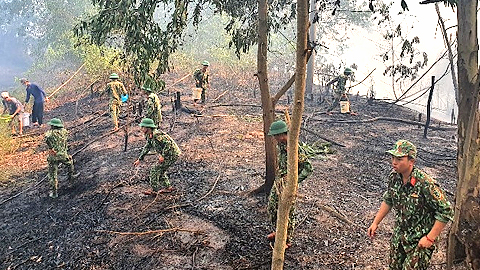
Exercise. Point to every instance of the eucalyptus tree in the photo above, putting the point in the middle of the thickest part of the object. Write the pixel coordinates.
(289, 194)
(464, 236)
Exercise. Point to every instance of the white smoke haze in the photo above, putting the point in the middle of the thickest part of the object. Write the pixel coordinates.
(365, 48)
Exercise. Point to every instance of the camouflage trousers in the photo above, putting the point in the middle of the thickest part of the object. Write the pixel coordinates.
(203, 96)
(53, 162)
(158, 174)
(272, 209)
(408, 257)
(115, 107)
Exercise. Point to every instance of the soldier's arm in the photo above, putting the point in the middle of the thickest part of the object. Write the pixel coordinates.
(50, 141)
(145, 150)
(332, 81)
(150, 105)
(436, 199)
(382, 212)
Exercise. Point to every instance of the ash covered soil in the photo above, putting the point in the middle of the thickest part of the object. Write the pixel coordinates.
(212, 220)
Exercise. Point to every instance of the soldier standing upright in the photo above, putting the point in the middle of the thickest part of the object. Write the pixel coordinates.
(115, 90)
(201, 79)
(56, 139)
(421, 210)
(279, 131)
(153, 108)
(167, 151)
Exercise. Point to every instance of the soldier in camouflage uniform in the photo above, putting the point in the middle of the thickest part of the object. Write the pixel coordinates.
(167, 151)
(153, 109)
(279, 130)
(421, 210)
(340, 88)
(56, 139)
(201, 79)
(115, 91)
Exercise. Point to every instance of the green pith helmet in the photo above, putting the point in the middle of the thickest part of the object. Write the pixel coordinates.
(114, 76)
(348, 71)
(205, 63)
(55, 122)
(147, 122)
(147, 89)
(403, 148)
(278, 127)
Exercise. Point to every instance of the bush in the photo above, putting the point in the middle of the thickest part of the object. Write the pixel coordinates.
(7, 144)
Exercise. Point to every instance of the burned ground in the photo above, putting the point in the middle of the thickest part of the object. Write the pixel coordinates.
(212, 221)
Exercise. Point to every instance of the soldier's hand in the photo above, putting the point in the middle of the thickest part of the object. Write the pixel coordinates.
(371, 230)
(136, 162)
(424, 243)
(160, 159)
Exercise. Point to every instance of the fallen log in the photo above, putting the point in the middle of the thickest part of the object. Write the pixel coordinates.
(410, 122)
(323, 138)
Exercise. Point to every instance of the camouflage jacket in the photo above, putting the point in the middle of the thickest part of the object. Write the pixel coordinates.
(201, 79)
(162, 143)
(154, 107)
(304, 166)
(56, 139)
(417, 205)
(340, 88)
(114, 90)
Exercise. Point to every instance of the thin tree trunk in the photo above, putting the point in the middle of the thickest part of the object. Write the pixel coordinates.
(464, 237)
(429, 108)
(450, 54)
(289, 194)
(267, 105)
(311, 62)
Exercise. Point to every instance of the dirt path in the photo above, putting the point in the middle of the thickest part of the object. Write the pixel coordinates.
(211, 221)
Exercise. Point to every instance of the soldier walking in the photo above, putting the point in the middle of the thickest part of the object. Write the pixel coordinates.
(56, 139)
(167, 151)
(421, 210)
(340, 89)
(201, 80)
(115, 90)
(279, 131)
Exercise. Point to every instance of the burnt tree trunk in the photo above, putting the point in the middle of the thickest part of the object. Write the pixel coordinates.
(429, 108)
(267, 104)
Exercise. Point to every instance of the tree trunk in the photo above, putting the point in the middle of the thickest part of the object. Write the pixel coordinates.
(429, 108)
(267, 105)
(464, 234)
(289, 194)
(450, 54)
(311, 62)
